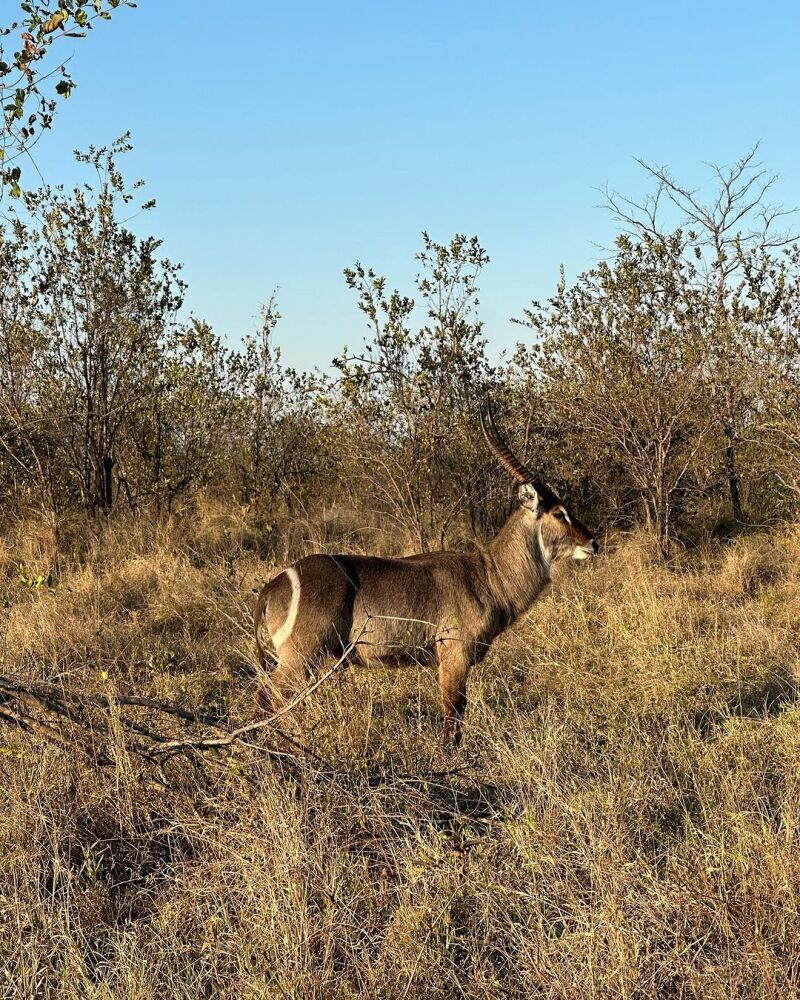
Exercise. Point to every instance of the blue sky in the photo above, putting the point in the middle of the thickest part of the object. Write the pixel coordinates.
(286, 142)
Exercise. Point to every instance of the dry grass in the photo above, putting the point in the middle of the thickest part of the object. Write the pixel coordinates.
(622, 821)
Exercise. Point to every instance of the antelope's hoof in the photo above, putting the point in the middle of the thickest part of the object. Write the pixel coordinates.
(452, 736)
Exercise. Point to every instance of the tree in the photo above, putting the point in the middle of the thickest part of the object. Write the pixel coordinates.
(766, 308)
(619, 358)
(29, 87)
(27, 442)
(415, 391)
(737, 221)
(99, 306)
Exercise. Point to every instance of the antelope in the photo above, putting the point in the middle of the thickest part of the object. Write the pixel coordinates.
(437, 608)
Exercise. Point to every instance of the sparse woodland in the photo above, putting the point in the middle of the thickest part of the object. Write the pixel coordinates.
(661, 389)
(623, 819)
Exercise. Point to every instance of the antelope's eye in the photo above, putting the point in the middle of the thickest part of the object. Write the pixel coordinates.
(559, 515)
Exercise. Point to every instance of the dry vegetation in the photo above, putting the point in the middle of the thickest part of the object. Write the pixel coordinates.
(622, 819)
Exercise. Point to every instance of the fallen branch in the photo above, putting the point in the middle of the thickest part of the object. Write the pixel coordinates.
(50, 694)
(235, 735)
(73, 715)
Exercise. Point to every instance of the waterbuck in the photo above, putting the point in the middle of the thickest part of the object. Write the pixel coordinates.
(438, 607)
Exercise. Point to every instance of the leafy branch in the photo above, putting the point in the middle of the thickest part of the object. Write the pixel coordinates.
(30, 87)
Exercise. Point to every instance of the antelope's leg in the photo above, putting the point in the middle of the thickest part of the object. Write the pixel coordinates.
(290, 676)
(454, 664)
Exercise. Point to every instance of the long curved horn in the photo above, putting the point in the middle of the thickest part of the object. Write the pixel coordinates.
(500, 449)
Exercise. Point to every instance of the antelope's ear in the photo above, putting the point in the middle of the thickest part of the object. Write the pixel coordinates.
(528, 497)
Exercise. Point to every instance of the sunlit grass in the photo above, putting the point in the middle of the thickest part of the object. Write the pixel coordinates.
(622, 819)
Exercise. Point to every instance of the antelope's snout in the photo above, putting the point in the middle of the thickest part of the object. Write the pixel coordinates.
(586, 551)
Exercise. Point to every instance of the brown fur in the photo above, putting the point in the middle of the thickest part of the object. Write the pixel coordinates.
(443, 607)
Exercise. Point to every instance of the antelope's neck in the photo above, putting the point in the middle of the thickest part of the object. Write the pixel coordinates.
(518, 564)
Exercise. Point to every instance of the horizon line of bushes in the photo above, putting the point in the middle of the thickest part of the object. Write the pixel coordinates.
(662, 387)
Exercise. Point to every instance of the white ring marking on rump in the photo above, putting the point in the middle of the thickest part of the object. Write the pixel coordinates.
(285, 630)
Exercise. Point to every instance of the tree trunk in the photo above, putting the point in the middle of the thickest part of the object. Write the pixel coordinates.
(732, 472)
(105, 484)
(660, 502)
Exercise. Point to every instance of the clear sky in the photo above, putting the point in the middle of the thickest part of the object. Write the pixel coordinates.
(285, 141)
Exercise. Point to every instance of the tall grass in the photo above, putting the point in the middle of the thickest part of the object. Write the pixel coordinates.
(622, 820)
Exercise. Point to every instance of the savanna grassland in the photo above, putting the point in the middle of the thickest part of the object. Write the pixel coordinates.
(622, 819)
